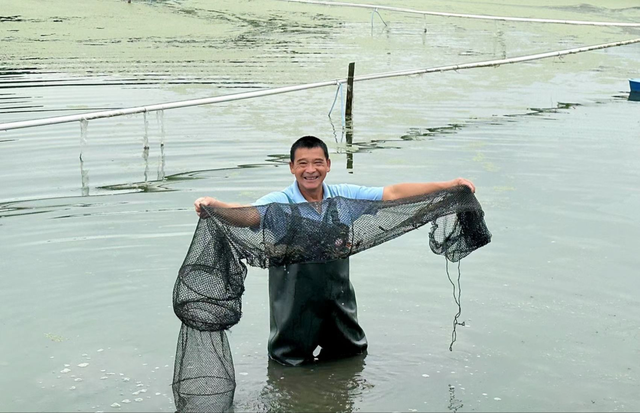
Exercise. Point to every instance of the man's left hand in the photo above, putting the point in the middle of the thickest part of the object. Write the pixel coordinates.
(465, 182)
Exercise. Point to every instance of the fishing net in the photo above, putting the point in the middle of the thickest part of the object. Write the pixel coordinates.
(208, 292)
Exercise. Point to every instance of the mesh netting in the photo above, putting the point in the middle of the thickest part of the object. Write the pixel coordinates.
(207, 294)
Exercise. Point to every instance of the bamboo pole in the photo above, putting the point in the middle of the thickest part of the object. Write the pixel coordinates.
(349, 104)
(467, 16)
(287, 89)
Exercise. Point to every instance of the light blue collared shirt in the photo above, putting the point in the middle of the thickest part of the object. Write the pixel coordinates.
(343, 211)
(292, 194)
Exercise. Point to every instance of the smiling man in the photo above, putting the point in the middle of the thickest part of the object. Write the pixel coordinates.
(314, 305)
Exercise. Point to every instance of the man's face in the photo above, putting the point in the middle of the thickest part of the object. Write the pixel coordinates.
(310, 167)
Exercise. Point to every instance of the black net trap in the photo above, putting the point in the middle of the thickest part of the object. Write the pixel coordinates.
(208, 292)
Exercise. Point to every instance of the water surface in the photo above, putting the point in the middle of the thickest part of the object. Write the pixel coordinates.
(90, 248)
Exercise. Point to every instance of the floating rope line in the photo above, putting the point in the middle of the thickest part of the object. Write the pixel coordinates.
(467, 16)
(339, 91)
(335, 98)
(287, 89)
(456, 298)
(373, 13)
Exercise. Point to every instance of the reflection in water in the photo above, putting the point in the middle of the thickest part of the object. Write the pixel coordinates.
(160, 120)
(499, 44)
(349, 135)
(424, 31)
(454, 403)
(161, 162)
(346, 133)
(635, 96)
(84, 177)
(544, 111)
(84, 125)
(145, 138)
(344, 140)
(325, 386)
(10, 19)
(276, 158)
(145, 156)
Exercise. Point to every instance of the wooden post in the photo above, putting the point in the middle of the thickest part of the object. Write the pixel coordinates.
(348, 116)
(352, 69)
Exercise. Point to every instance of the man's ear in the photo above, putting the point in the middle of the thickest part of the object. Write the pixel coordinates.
(291, 167)
(328, 165)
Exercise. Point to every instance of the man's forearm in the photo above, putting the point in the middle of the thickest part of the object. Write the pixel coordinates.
(406, 190)
(238, 215)
(234, 214)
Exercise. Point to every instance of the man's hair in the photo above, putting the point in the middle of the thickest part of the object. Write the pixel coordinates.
(308, 142)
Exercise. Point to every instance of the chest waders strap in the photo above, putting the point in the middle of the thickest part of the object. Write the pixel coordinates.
(313, 305)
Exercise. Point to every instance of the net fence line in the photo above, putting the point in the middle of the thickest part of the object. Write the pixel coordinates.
(287, 89)
(466, 16)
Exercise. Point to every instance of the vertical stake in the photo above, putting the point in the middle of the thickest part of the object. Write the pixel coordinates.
(352, 69)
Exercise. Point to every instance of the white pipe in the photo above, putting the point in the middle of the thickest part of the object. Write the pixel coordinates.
(496, 62)
(286, 89)
(468, 16)
(163, 106)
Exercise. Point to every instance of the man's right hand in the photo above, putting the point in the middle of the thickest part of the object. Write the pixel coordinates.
(204, 201)
(248, 216)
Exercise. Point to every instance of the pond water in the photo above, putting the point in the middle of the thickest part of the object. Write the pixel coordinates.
(90, 247)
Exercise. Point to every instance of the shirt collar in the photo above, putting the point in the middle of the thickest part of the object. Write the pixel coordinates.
(298, 197)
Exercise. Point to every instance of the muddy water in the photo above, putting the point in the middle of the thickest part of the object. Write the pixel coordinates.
(89, 248)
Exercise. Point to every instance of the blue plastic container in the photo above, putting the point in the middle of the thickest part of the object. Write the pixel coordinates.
(634, 84)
